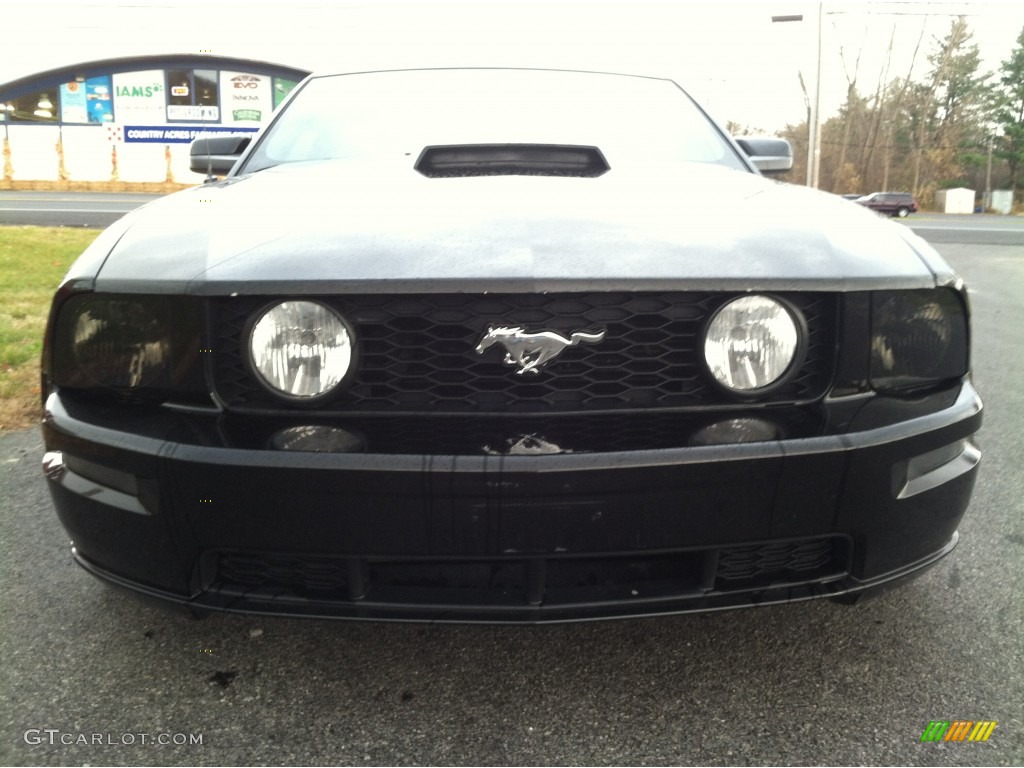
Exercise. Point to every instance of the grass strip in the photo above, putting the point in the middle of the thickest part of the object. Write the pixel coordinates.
(32, 262)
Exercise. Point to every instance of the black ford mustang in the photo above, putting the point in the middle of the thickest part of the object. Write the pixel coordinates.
(505, 345)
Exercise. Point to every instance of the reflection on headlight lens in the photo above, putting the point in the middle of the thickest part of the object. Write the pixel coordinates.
(918, 338)
(119, 343)
(751, 343)
(301, 349)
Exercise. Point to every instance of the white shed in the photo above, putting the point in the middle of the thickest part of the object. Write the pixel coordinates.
(1002, 201)
(958, 200)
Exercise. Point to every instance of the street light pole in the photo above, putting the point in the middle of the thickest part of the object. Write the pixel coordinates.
(814, 118)
(815, 177)
(987, 202)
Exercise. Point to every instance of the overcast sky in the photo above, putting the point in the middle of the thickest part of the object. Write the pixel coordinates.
(727, 54)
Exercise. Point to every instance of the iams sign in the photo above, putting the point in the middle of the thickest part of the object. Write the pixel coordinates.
(139, 91)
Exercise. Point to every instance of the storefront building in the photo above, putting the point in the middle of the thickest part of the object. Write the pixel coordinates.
(127, 123)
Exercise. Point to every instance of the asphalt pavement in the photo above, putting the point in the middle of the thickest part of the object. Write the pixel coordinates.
(101, 209)
(68, 209)
(92, 676)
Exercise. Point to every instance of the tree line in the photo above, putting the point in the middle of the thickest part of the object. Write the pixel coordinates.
(939, 125)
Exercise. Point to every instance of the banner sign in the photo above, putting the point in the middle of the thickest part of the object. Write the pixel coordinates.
(87, 101)
(72, 103)
(176, 134)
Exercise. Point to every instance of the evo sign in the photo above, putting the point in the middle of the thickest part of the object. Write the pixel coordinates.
(246, 98)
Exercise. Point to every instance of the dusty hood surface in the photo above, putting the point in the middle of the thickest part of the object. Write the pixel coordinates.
(324, 227)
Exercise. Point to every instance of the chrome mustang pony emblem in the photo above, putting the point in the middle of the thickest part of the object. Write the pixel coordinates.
(532, 351)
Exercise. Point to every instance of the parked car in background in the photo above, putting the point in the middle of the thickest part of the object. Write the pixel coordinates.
(507, 346)
(892, 203)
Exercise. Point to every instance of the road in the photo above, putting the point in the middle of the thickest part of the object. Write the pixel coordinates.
(95, 209)
(805, 684)
(68, 209)
(987, 229)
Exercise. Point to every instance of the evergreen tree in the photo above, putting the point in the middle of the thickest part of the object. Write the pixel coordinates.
(951, 127)
(1010, 111)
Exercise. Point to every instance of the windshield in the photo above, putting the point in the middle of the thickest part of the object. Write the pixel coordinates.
(396, 114)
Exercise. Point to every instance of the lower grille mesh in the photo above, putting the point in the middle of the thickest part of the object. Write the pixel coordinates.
(739, 564)
(552, 580)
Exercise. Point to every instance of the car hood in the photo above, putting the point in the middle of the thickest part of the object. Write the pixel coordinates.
(346, 226)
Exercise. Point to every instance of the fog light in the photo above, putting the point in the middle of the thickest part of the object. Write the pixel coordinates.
(734, 431)
(314, 439)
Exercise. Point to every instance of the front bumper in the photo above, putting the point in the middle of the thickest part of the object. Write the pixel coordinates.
(176, 506)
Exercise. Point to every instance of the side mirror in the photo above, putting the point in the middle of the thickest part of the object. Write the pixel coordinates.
(769, 156)
(216, 155)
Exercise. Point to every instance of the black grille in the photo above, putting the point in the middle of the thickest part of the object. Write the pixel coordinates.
(791, 560)
(417, 353)
(551, 580)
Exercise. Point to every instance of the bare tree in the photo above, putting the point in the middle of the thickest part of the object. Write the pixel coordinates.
(841, 176)
(868, 147)
(897, 104)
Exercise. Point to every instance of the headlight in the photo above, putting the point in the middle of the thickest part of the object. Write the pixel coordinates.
(752, 343)
(135, 345)
(300, 349)
(917, 338)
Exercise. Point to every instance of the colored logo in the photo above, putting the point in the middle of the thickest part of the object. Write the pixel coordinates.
(958, 730)
(245, 81)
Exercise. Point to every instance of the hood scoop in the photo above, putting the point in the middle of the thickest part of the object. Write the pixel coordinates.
(510, 160)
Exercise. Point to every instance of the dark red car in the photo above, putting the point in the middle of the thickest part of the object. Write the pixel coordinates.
(892, 203)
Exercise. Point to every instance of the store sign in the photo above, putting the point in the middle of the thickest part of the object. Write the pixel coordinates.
(175, 134)
(140, 96)
(189, 112)
(246, 98)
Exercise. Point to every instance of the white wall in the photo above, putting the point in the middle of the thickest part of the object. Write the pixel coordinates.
(34, 151)
(87, 156)
(86, 153)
